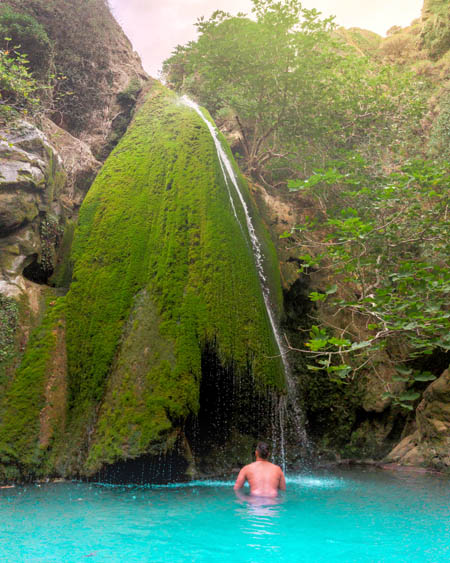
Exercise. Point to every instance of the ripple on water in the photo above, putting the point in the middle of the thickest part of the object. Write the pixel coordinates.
(310, 482)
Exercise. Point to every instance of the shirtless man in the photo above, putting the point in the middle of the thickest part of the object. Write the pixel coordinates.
(264, 478)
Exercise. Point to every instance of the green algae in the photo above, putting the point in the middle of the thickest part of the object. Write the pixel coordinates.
(62, 275)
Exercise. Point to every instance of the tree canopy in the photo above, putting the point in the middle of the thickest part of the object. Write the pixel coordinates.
(297, 92)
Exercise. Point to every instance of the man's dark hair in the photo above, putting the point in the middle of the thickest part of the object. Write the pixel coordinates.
(263, 450)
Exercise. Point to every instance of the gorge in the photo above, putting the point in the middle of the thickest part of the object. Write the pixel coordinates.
(156, 307)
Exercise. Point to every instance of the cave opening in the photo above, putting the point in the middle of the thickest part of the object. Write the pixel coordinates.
(37, 272)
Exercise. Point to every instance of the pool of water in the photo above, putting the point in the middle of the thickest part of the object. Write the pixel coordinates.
(348, 516)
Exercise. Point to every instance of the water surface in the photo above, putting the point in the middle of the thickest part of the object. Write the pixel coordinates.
(347, 516)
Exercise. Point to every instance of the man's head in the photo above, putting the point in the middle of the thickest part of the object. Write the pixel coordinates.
(262, 450)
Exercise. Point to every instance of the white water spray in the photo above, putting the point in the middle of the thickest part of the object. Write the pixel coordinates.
(229, 175)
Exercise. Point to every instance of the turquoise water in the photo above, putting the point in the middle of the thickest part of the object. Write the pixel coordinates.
(350, 516)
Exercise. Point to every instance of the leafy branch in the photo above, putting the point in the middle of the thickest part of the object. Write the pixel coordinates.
(385, 239)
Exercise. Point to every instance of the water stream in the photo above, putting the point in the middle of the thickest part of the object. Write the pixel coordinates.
(286, 408)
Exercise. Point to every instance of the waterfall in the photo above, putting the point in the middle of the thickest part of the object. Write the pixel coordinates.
(283, 413)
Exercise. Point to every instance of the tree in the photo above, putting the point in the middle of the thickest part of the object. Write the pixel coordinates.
(385, 239)
(298, 93)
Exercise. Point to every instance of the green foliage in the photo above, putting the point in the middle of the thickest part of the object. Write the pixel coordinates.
(299, 93)
(17, 86)
(129, 96)
(386, 240)
(80, 32)
(440, 135)
(27, 36)
(436, 29)
(331, 409)
(158, 223)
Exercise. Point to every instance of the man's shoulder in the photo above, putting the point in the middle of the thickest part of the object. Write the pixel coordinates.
(274, 465)
(249, 465)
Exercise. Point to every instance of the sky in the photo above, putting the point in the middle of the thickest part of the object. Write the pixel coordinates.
(156, 27)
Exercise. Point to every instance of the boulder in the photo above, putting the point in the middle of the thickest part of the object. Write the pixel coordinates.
(430, 444)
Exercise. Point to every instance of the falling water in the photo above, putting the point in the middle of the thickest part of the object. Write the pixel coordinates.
(281, 410)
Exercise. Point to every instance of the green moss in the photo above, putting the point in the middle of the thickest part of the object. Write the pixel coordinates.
(157, 223)
(62, 275)
(21, 406)
(9, 317)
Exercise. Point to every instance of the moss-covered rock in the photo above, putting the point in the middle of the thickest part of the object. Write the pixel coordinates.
(23, 420)
(162, 271)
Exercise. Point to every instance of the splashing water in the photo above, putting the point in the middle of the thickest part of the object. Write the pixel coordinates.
(285, 407)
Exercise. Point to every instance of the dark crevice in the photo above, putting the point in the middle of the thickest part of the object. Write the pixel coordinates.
(8, 230)
(36, 272)
(436, 363)
(233, 415)
(159, 469)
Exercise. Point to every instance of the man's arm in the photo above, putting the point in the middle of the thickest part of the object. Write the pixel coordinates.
(282, 483)
(240, 481)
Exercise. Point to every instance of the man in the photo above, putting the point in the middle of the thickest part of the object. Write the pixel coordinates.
(264, 478)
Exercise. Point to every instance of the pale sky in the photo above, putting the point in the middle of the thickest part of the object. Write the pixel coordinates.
(156, 27)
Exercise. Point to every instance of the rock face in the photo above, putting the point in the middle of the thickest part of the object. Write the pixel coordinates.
(32, 179)
(100, 74)
(165, 318)
(430, 444)
(38, 194)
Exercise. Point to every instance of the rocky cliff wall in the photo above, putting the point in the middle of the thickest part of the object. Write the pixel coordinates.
(97, 73)
(46, 159)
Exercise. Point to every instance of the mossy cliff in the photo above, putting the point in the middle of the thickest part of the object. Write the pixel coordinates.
(162, 272)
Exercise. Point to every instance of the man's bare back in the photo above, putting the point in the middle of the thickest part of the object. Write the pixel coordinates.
(264, 477)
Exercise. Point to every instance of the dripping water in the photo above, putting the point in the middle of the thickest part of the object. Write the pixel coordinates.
(285, 408)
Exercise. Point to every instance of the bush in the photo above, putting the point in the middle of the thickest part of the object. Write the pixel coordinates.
(28, 37)
(17, 86)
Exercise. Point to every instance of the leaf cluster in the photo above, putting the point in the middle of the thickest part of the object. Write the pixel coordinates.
(385, 238)
(18, 88)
